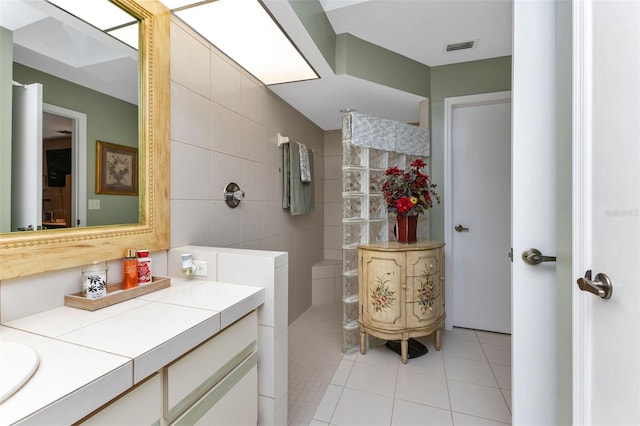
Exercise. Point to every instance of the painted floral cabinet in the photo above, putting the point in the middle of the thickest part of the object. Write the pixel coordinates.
(401, 291)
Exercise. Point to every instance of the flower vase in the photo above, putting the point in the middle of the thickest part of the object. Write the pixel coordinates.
(407, 228)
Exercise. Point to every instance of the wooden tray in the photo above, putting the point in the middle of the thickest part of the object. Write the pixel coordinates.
(115, 294)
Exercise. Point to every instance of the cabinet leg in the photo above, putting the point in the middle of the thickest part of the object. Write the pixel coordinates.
(438, 335)
(404, 350)
(363, 347)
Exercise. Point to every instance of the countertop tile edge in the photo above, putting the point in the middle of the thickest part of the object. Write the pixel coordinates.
(155, 359)
(74, 406)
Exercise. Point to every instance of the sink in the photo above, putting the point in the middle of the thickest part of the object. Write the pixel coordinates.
(18, 362)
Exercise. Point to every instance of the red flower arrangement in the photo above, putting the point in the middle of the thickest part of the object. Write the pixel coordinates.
(409, 192)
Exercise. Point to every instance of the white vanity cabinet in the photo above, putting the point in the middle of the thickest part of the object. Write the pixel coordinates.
(216, 383)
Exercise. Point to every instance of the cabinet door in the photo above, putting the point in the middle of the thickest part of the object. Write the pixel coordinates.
(425, 295)
(382, 289)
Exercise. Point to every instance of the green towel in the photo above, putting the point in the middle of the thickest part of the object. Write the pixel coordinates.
(297, 196)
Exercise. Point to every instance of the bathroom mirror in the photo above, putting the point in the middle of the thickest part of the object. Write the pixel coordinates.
(74, 72)
(27, 253)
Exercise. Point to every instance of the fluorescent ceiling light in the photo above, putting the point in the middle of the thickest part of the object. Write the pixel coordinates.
(101, 14)
(105, 16)
(245, 32)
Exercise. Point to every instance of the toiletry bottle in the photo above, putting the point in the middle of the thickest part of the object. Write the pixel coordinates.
(144, 267)
(129, 270)
(94, 280)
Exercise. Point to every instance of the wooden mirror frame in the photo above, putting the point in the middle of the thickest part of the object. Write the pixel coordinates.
(35, 252)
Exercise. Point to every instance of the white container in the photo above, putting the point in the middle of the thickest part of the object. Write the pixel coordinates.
(94, 280)
(144, 267)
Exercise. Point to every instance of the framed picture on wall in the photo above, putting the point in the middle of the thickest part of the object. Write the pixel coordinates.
(116, 169)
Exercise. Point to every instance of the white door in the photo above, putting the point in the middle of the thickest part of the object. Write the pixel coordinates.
(534, 346)
(26, 153)
(78, 162)
(606, 352)
(479, 210)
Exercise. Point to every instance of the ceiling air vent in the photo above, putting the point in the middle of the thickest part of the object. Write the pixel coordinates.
(460, 46)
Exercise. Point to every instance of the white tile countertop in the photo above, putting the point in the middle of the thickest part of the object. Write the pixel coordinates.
(88, 358)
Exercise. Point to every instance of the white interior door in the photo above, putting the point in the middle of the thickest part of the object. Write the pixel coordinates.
(534, 348)
(606, 351)
(479, 229)
(26, 153)
(78, 162)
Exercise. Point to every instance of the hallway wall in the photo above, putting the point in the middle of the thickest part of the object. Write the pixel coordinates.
(466, 78)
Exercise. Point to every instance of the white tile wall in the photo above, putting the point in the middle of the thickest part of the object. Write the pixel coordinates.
(223, 129)
(268, 270)
(333, 195)
(326, 284)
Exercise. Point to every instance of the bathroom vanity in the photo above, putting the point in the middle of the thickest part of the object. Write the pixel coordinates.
(401, 291)
(174, 356)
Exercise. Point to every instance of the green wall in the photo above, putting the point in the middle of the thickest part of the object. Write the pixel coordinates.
(348, 54)
(466, 78)
(371, 62)
(6, 96)
(315, 21)
(108, 120)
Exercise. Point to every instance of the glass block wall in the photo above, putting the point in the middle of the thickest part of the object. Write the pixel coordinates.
(365, 220)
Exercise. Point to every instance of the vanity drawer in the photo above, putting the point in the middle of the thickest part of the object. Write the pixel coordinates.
(232, 402)
(126, 409)
(193, 375)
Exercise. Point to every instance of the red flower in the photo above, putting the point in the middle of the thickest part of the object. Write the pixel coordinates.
(418, 163)
(393, 171)
(404, 204)
(400, 187)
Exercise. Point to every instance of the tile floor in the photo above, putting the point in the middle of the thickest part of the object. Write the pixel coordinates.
(468, 382)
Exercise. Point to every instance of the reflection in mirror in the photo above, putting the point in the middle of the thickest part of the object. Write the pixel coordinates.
(29, 253)
(88, 82)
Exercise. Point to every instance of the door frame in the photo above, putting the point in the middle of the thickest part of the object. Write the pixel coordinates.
(581, 200)
(449, 105)
(78, 161)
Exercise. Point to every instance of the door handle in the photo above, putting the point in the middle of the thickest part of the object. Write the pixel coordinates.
(534, 257)
(601, 286)
(461, 228)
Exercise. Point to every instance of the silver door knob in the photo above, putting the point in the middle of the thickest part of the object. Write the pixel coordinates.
(533, 256)
(461, 228)
(601, 286)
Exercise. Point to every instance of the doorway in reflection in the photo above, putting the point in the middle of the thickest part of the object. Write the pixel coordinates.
(64, 175)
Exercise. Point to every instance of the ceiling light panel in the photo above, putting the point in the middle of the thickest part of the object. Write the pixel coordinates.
(245, 32)
(101, 14)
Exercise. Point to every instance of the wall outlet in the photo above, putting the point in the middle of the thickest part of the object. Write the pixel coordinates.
(200, 268)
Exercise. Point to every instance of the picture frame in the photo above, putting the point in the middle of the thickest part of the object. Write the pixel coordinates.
(116, 169)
